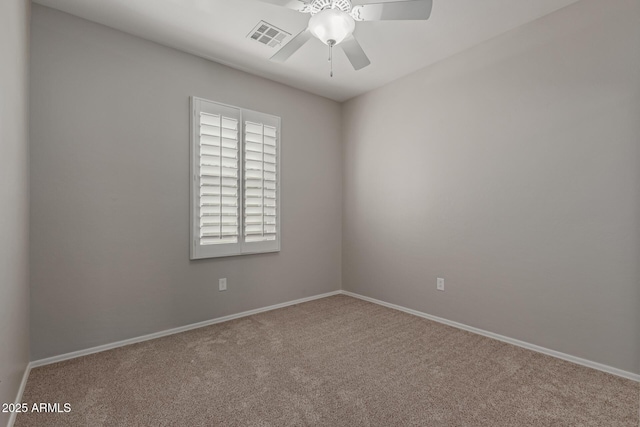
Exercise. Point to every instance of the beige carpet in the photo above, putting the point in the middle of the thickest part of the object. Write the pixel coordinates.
(337, 361)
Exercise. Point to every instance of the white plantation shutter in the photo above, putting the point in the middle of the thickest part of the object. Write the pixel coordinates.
(261, 216)
(234, 167)
(216, 175)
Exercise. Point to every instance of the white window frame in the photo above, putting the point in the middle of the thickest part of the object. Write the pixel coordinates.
(198, 251)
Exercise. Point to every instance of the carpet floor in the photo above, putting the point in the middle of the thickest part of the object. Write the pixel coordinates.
(337, 361)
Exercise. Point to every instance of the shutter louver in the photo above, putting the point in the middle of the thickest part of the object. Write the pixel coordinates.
(218, 179)
(260, 182)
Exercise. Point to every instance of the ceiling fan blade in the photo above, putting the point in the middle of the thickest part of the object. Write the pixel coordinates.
(354, 52)
(397, 10)
(298, 5)
(292, 47)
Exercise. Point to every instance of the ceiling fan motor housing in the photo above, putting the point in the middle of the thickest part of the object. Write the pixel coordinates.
(320, 5)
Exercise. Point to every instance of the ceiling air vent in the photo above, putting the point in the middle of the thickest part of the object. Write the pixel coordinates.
(267, 34)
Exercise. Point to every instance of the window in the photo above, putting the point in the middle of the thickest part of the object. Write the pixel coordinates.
(235, 191)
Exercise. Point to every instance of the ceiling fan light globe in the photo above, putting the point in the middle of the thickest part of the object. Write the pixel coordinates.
(332, 24)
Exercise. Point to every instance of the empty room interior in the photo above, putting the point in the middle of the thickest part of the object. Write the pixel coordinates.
(320, 212)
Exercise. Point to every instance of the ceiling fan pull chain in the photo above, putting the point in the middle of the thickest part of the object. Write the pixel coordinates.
(331, 59)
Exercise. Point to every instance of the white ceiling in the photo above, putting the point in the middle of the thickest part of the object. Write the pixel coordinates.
(218, 29)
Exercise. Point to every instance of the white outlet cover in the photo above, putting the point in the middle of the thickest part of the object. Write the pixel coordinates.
(440, 284)
(222, 284)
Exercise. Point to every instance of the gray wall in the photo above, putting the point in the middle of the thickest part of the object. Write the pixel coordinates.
(110, 189)
(512, 170)
(14, 198)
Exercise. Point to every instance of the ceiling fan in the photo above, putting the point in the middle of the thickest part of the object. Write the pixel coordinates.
(333, 22)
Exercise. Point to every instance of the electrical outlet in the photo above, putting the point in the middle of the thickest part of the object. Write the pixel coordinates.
(440, 284)
(222, 284)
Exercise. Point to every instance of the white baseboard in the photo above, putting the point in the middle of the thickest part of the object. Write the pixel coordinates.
(23, 384)
(523, 344)
(105, 347)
